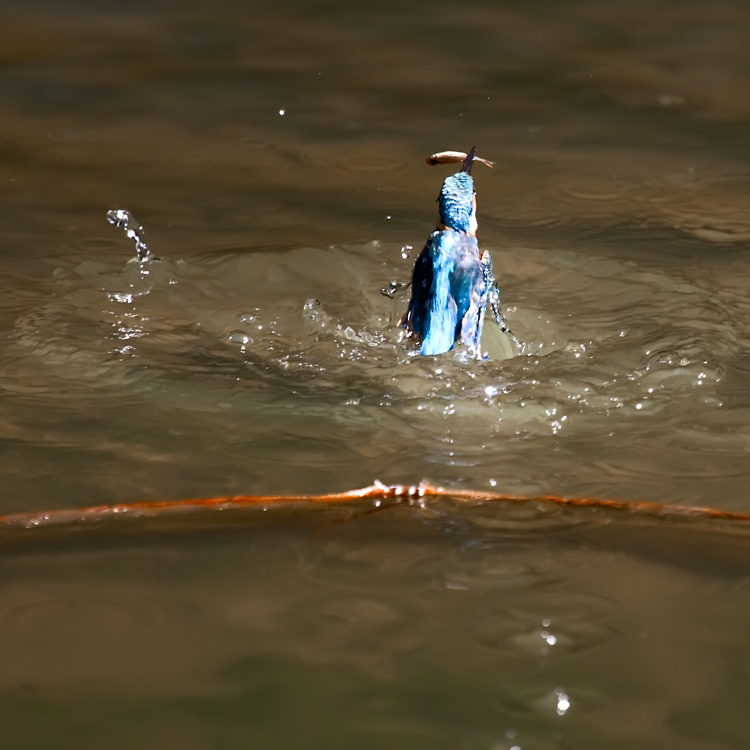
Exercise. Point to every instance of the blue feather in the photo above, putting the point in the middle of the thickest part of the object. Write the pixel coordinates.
(449, 293)
(456, 202)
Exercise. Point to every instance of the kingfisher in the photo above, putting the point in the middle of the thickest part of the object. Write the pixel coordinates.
(452, 282)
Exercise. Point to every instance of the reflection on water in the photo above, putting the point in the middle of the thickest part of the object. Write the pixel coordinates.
(276, 157)
(406, 628)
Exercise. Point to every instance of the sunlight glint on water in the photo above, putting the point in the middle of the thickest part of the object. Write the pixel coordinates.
(262, 354)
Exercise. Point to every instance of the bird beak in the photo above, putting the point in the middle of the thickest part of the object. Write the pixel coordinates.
(469, 161)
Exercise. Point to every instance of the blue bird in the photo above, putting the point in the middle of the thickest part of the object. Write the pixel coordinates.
(452, 281)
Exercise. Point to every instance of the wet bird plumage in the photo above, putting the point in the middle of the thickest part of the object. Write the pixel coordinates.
(451, 280)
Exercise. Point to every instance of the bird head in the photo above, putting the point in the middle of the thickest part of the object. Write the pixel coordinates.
(457, 200)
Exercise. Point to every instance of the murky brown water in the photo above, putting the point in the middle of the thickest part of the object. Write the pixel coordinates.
(275, 155)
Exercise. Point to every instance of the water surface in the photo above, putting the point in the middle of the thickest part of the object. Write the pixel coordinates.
(275, 156)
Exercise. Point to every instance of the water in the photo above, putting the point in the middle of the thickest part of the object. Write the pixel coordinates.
(275, 157)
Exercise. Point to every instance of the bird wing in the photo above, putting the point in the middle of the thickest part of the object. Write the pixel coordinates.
(471, 289)
(449, 294)
(440, 325)
(432, 314)
(421, 284)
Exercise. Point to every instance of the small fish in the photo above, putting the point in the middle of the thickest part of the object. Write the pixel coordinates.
(452, 157)
(452, 281)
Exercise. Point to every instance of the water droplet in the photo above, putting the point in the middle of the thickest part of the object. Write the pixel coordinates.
(118, 297)
(392, 288)
(563, 702)
(121, 218)
(239, 337)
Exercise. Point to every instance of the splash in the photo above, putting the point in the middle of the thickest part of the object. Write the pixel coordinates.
(394, 288)
(121, 218)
